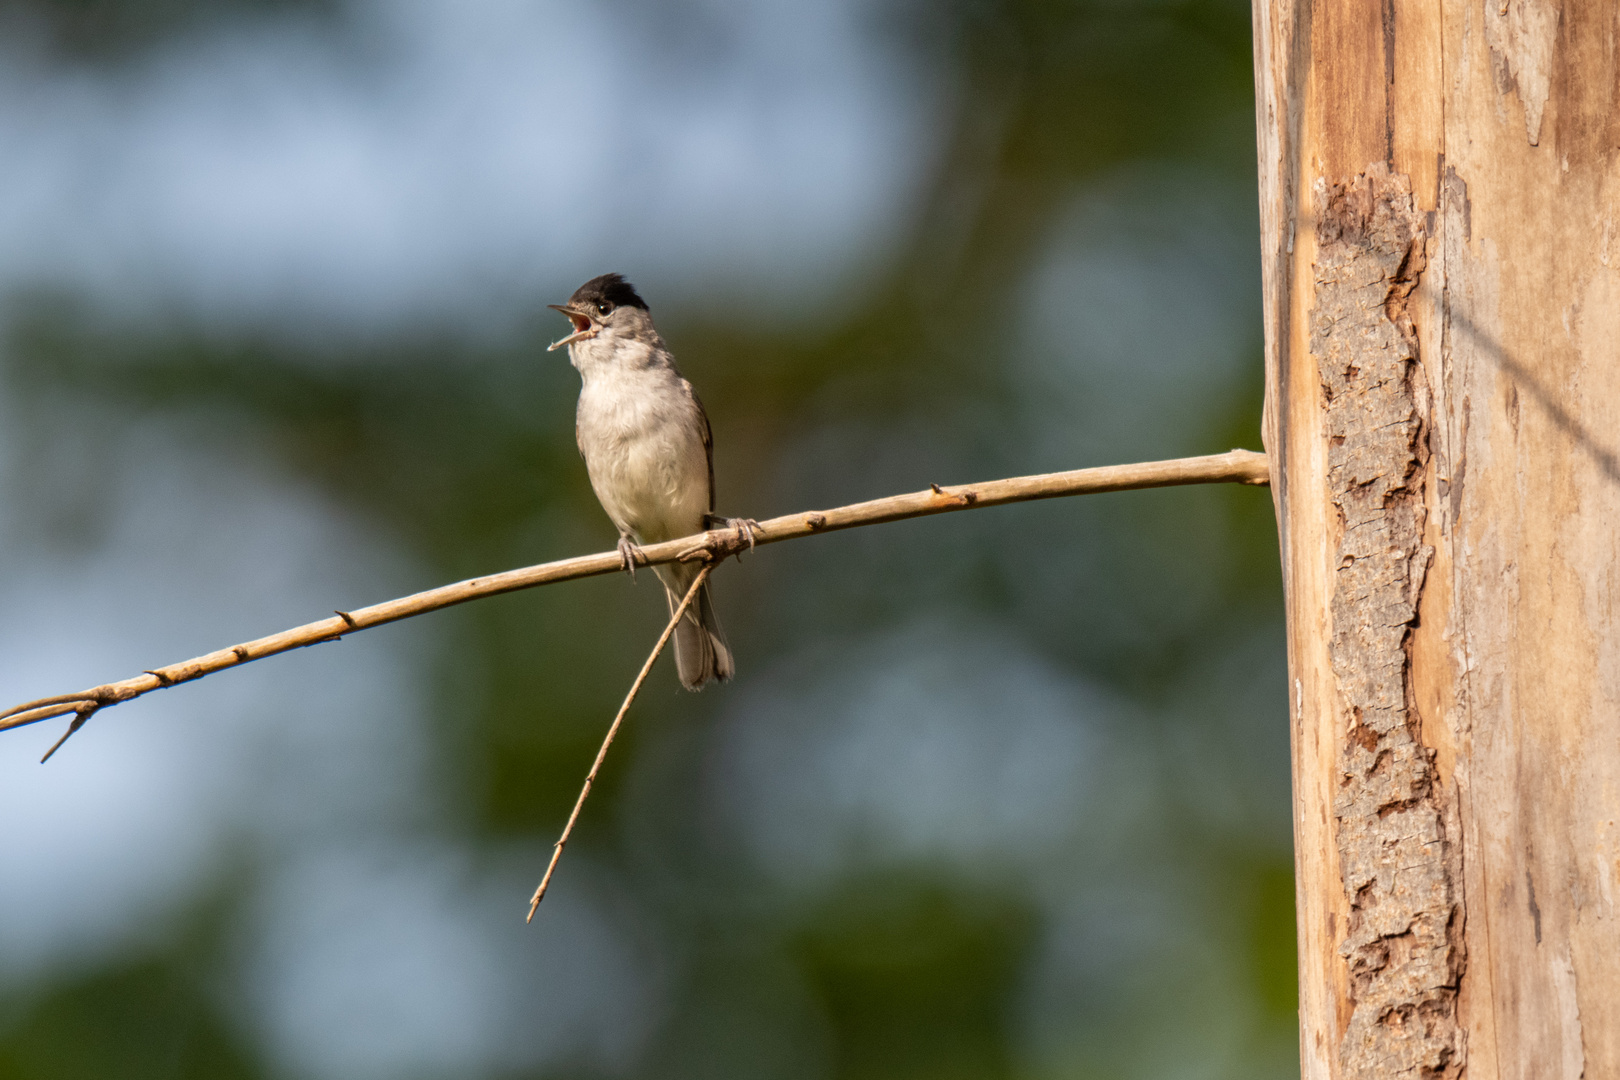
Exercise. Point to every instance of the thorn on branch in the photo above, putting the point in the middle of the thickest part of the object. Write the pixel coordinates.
(348, 619)
(163, 680)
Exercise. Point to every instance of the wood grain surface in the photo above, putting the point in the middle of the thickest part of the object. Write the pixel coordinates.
(1458, 862)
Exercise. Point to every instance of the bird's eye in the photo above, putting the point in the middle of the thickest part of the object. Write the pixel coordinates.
(603, 307)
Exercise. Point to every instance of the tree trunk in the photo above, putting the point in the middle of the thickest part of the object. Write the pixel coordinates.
(1439, 186)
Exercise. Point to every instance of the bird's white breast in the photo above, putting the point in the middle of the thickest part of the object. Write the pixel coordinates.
(642, 439)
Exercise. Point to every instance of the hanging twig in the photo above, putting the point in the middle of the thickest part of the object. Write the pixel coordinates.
(1238, 466)
(613, 729)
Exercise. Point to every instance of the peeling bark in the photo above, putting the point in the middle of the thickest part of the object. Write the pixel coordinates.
(1399, 869)
(1522, 35)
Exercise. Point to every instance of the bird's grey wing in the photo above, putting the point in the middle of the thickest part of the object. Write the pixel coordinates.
(708, 439)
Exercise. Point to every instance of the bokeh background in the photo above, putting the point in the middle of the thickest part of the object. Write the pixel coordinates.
(999, 795)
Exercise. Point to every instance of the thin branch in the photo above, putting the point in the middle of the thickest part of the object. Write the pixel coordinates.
(83, 711)
(1238, 466)
(613, 729)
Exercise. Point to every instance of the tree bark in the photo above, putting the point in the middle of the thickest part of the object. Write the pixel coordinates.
(1439, 183)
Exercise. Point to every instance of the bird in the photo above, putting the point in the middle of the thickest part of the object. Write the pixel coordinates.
(649, 452)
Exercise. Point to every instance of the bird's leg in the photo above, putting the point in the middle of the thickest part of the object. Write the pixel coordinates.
(745, 529)
(629, 553)
(743, 532)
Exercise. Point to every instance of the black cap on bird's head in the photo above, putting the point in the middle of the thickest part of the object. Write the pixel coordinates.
(593, 302)
(609, 291)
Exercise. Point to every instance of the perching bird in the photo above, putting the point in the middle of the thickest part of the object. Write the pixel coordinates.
(648, 449)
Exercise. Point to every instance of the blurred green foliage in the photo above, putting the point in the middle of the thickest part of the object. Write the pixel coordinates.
(914, 977)
(463, 452)
(146, 1020)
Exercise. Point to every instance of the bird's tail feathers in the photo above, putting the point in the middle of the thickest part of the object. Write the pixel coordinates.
(701, 652)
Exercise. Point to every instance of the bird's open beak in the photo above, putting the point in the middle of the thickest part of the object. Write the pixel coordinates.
(585, 327)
